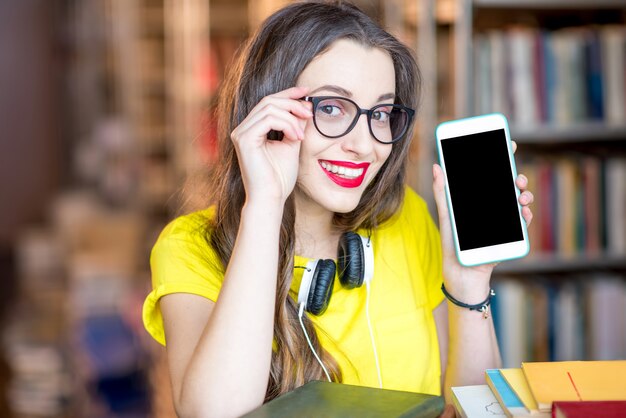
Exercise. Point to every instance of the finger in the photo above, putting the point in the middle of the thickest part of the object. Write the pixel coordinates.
(291, 97)
(527, 214)
(295, 92)
(514, 145)
(448, 412)
(286, 123)
(526, 198)
(277, 107)
(274, 111)
(274, 105)
(521, 182)
(288, 126)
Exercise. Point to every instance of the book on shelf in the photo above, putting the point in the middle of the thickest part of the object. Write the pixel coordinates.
(567, 342)
(613, 56)
(589, 409)
(615, 179)
(325, 399)
(537, 320)
(606, 339)
(559, 77)
(575, 381)
(565, 216)
(577, 317)
(580, 205)
(476, 401)
(521, 41)
(510, 320)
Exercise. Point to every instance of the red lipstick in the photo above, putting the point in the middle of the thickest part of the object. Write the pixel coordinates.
(348, 182)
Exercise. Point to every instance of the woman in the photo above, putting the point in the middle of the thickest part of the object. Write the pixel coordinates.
(341, 92)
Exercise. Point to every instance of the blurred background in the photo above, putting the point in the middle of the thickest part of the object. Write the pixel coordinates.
(106, 112)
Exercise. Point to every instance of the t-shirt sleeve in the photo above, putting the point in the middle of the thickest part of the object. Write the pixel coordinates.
(430, 248)
(181, 261)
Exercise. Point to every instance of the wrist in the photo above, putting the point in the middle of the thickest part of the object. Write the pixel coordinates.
(266, 210)
(482, 306)
(470, 286)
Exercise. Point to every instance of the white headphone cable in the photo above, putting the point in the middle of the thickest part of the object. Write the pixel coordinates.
(369, 325)
(308, 340)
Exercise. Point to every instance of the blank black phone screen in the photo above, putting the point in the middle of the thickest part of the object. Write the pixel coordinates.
(481, 189)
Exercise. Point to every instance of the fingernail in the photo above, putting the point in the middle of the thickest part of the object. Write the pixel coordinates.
(434, 172)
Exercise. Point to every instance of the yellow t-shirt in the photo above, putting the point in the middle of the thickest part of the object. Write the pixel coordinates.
(404, 291)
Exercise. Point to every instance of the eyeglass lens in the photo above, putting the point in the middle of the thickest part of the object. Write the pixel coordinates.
(335, 117)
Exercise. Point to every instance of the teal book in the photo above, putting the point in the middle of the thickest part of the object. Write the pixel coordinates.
(337, 400)
(510, 403)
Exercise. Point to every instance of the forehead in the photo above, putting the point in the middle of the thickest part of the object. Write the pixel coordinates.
(366, 72)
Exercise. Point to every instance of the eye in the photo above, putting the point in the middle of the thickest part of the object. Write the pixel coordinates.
(381, 115)
(330, 109)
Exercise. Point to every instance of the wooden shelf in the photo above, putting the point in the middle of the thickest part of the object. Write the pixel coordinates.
(583, 132)
(557, 264)
(551, 4)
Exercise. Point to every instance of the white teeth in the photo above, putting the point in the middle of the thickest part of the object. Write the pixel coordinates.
(342, 171)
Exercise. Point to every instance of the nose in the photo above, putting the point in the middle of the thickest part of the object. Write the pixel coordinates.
(359, 140)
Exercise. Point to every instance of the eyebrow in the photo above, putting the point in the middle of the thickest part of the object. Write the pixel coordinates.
(346, 93)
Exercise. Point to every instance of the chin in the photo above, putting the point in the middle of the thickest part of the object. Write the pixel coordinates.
(342, 207)
(337, 201)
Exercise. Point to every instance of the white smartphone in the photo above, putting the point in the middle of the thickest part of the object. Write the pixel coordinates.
(476, 156)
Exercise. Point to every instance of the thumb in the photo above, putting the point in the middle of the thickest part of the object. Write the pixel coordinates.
(439, 191)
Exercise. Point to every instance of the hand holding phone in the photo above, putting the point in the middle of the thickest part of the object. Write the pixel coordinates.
(476, 157)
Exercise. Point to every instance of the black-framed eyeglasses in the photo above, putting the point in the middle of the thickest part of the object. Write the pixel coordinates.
(335, 116)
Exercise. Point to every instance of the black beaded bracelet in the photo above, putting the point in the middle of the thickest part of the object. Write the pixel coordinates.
(481, 307)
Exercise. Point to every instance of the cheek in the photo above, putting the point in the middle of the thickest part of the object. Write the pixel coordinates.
(383, 152)
(307, 160)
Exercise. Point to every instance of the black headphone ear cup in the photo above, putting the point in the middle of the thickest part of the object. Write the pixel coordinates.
(321, 287)
(351, 260)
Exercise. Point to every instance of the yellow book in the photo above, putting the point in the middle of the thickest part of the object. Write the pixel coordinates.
(517, 381)
(575, 381)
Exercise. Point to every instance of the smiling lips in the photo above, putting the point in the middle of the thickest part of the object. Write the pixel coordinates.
(344, 173)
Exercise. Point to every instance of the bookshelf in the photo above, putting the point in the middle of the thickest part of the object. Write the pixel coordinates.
(551, 68)
(141, 81)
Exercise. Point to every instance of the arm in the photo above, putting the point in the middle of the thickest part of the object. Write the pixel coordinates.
(219, 353)
(214, 347)
(469, 340)
(468, 346)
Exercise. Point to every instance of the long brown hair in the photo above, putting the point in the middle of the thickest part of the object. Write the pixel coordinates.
(269, 62)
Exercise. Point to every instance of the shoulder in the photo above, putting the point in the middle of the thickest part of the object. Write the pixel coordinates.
(184, 238)
(413, 210)
(412, 222)
(189, 224)
(192, 227)
(413, 203)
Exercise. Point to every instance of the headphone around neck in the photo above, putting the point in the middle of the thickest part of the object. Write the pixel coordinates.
(355, 261)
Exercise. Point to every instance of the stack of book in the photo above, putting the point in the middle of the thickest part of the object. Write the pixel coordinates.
(560, 78)
(565, 389)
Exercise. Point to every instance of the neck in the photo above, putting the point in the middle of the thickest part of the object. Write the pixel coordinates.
(316, 237)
